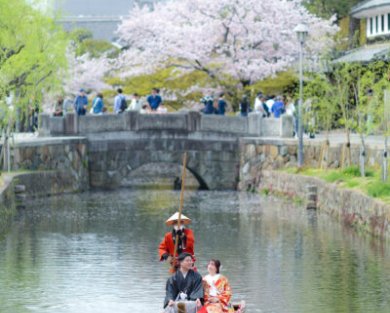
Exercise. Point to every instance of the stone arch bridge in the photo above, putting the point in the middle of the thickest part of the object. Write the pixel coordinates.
(132, 148)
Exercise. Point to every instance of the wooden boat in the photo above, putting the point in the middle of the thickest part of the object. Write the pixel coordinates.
(182, 308)
(239, 307)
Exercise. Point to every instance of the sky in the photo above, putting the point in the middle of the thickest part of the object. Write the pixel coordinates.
(91, 8)
(95, 7)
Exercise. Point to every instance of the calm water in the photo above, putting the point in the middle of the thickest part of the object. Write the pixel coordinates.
(97, 253)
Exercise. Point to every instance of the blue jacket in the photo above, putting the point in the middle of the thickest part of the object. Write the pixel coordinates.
(79, 104)
(98, 105)
(221, 107)
(209, 107)
(154, 101)
(278, 109)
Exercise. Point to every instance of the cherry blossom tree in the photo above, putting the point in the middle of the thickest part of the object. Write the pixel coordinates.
(244, 39)
(86, 72)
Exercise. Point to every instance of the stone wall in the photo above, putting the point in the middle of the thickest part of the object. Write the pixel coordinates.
(66, 156)
(113, 160)
(258, 154)
(260, 160)
(351, 207)
(186, 122)
(37, 184)
(7, 203)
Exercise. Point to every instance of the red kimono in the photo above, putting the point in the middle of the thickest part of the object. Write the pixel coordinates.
(167, 245)
(220, 289)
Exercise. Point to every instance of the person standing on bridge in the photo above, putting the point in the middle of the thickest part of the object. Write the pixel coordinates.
(221, 109)
(186, 239)
(120, 104)
(244, 106)
(154, 100)
(81, 103)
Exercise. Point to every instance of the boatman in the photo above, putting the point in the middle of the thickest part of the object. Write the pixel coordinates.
(185, 236)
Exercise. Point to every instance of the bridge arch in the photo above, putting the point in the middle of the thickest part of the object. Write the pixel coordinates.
(119, 162)
(164, 174)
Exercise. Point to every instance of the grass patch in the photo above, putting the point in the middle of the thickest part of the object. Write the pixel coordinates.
(350, 177)
(265, 192)
(378, 189)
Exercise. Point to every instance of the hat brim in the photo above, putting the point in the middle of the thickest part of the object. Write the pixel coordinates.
(173, 222)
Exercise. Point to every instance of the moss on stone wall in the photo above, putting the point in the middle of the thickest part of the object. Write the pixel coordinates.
(363, 32)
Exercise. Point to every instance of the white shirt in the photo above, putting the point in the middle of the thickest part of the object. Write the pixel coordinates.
(211, 280)
(269, 104)
(162, 110)
(259, 106)
(135, 105)
(290, 109)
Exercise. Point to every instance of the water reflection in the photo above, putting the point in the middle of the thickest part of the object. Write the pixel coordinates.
(97, 252)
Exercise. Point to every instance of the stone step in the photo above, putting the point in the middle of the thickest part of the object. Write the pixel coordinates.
(21, 197)
(19, 189)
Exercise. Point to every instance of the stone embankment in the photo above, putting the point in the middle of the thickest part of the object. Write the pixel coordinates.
(349, 206)
(18, 188)
(261, 160)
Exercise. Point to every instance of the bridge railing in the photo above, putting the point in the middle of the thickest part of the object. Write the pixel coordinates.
(188, 122)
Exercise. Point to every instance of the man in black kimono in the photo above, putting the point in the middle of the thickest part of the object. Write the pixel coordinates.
(185, 284)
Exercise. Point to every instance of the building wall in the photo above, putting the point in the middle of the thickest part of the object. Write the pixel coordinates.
(101, 17)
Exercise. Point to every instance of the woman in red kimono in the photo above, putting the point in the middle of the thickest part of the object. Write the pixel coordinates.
(217, 291)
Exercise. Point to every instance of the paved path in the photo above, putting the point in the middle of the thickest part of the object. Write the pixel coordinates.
(335, 139)
(339, 138)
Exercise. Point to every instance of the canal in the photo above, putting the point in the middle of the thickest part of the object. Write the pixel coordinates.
(97, 253)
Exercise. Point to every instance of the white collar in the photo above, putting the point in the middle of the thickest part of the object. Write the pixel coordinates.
(212, 279)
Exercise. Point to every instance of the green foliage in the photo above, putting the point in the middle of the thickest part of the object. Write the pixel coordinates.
(346, 175)
(265, 192)
(321, 96)
(378, 189)
(32, 55)
(79, 35)
(350, 177)
(84, 43)
(283, 82)
(327, 8)
(354, 171)
(168, 79)
(97, 48)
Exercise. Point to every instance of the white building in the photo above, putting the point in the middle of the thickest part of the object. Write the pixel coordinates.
(99, 16)
(376, 14)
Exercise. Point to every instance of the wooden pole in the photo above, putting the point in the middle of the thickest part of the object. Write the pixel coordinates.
(183, 178)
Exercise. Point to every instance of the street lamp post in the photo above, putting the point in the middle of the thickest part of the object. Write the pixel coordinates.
(302, 31)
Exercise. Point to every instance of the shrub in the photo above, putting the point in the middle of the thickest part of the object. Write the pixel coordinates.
(378, 189)
(354, 171)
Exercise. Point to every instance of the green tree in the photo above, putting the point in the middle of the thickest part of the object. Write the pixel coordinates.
(32, 60)
(341, 79)
(322, 95)
(327, 8)
(84, 43)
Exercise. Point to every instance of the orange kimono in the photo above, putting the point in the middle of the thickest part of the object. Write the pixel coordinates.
(219, 289)
(167, 245)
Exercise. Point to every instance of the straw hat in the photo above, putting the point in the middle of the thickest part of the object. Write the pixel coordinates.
(175, 217)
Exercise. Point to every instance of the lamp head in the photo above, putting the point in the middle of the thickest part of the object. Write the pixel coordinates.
(302, 32)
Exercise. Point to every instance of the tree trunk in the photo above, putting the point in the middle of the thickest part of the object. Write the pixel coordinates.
(362, 156)
(347, 159)
(325, 155)
(362, 161)
(385, 166)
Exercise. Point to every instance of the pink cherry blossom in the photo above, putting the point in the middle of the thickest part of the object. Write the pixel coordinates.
(246, 39)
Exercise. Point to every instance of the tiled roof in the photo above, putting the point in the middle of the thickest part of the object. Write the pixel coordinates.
(366, 54)
(367, 5)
